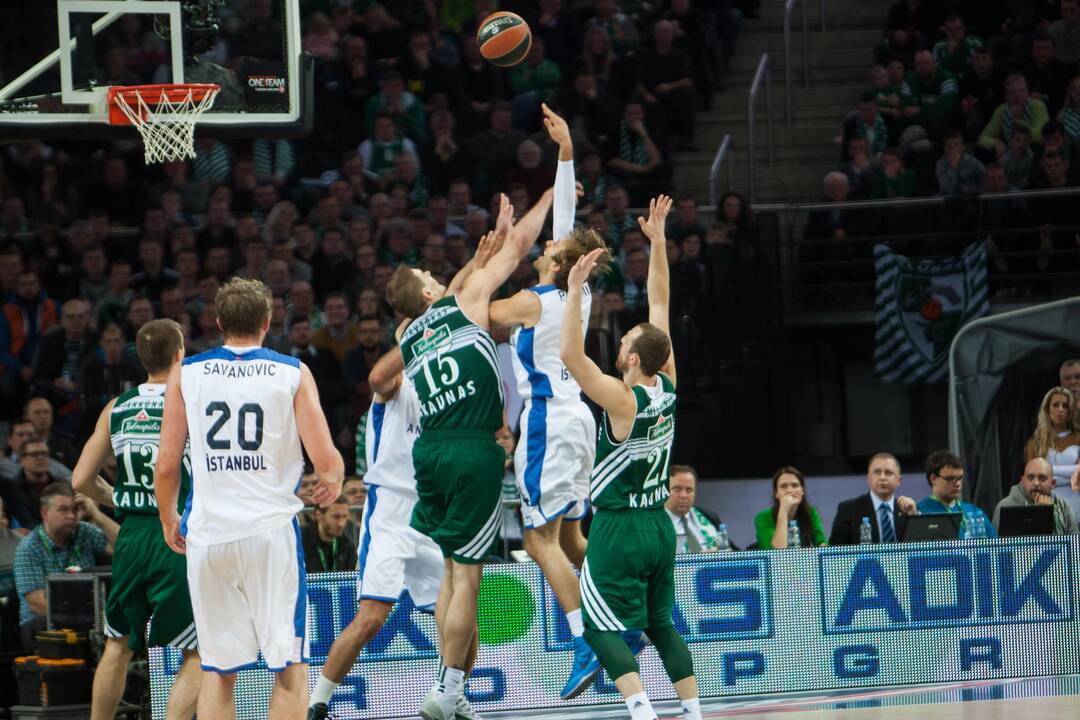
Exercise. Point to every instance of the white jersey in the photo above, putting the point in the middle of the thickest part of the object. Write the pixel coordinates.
(537, 366)
(392, 429)
(245, 449)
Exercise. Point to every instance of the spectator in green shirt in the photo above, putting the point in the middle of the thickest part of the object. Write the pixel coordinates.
(955, 52)
(403, 107)
(789, 503)
(894, 180)
(1019, 108)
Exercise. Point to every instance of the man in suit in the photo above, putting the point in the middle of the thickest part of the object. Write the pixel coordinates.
(887, 511)
(695, 531)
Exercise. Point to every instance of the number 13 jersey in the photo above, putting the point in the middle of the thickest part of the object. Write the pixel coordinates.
(633, 474)
(245, 449)
(454, 366)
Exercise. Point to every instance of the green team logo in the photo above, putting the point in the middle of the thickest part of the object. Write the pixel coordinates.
(662, 427)
(505, 608)
(141, 424)
(431, 340)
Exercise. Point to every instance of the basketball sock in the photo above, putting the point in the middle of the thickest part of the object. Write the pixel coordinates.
(324, 690)
(577, 626)
(640, 708)
(448, 689)
(691, 709)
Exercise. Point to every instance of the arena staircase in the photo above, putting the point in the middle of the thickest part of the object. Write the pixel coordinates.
(839, 61)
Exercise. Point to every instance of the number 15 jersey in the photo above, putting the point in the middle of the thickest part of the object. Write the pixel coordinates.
(245, 449)
(633, 474)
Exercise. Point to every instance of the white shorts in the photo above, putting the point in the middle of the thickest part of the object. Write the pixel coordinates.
(394, 558)
(553, 460)
(250, 595)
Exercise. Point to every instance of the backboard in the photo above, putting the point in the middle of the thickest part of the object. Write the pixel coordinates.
(53, 82)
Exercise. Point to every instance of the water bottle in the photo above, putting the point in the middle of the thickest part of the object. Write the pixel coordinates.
(793, 539)
(866, 532)
(723, 542)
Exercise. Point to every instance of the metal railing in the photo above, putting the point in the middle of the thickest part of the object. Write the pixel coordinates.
(723, 153)
(788, 7)
(763, 75)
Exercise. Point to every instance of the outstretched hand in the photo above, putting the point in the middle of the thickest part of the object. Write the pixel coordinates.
(556, 127)
(489, 245)
(579, 274)
(658, 211)
(505, 221)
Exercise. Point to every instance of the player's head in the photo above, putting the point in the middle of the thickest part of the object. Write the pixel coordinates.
(332, 518)
(645, 348)
(411, 291)
(243, 308)
(560, 257)
(159, 345)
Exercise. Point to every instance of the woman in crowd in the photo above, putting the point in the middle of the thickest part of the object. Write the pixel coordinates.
(1055, 438)
(1070, 113)
(789, 503)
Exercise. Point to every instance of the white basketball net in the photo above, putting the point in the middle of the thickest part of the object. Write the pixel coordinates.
(167, 127)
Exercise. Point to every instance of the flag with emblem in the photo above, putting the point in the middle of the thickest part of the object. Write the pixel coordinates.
(921, 305)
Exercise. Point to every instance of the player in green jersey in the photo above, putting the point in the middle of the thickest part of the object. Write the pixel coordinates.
(148, 579)
(628, 579)
(450, 356)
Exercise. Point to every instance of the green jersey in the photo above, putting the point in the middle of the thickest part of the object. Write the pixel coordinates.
(135, 433)
(454, 365)
(633, 474)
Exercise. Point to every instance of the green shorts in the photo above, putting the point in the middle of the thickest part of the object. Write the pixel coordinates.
(459, 483)
(149, 580)
(628, 580)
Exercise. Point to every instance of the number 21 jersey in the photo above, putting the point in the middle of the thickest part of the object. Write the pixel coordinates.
(245, 449)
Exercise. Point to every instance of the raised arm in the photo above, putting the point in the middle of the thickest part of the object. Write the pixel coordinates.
(95, 453)
(385, 378)
(526, 231)
(315, 435)
(490, 244)
(174, 432)
(659, 282)
(609, 393)
(479, 286)
(565, 200)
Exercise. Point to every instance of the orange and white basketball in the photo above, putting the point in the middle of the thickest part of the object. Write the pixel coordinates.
(504, 38)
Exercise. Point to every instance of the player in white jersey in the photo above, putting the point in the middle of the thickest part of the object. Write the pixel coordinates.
(247, 410)
(555, 453)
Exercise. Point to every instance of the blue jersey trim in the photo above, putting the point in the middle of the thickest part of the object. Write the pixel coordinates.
(541, 289)
(300, 609)
(378, 414)
(365, 542)
(539, 383)
(222, 353)
(536, 448)
(230, 671)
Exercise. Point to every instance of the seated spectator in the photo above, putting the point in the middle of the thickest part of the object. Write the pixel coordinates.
(859, 169)
(955, 52)
(277, 334)
(945, 475)
(886, 83)
(894, 180)
(929, 95)
(618, 27)
(60, 542)
(1056, 438)
(327, 548)
(209, 336)
(403, 108)
(865, 122)
(1019, 158)
(62, 351)
(1017, 109)
(339, 334)
(1066, 32)
(93, 281)
(559, 31)
(887, 511)
(617, 216)
(530, 171)
(958, 172)
(909, 26)
(594, 181)
(1054, 140)
(426, 76)
(301, 304)
(24, 317)
(385, 144)
(39, 411)
(255, 258)
(334, 262)
(789, 504)
(1069, 377)
(533, 81)
(695, 532)
(444, 156)
(697, 35)
(1036, 487)
(153, 276)
(492, 152)
(665, 79)
(22, 491)
(836, 223)
(1046, 75)
(981, 91)
(355, 493)
(635, 273)
(107, 372)
(633, 156)
(685, 220)
(325, 368)
(1069, 117)
(483, 85)
(433, 257)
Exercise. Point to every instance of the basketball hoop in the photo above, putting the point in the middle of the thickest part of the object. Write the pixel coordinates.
(164, 115)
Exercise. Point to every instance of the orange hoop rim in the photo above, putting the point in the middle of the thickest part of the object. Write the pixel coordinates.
(151, 95)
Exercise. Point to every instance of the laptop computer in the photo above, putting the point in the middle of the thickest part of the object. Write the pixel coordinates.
(924, 528)
(1026, 520)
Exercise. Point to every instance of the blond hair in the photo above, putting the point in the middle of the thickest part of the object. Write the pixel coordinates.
(156, 344)
(1043, 438)
(405, 292)
(243, 307)
(580, 242)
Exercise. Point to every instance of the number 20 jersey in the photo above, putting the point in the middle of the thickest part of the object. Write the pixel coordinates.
(245, 449)
(633, 474)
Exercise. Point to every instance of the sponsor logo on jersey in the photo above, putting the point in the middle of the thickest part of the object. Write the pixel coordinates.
(141, 424)
(431, 339)
(662, 427)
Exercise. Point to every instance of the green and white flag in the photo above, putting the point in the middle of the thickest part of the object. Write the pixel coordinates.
(921, 304)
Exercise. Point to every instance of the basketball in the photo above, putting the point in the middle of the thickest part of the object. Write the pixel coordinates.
(504, 38)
